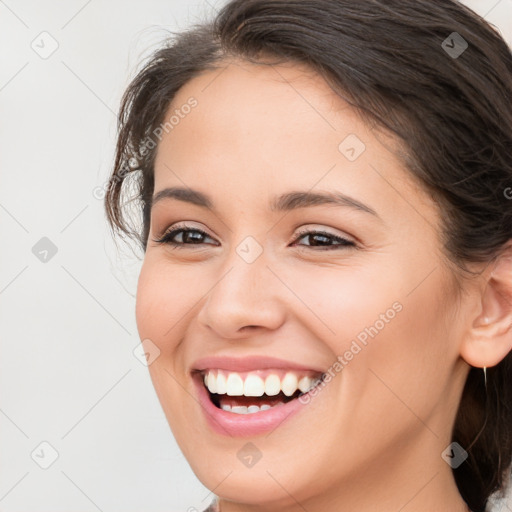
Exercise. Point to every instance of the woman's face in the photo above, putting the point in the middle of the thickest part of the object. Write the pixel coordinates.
(275, 154)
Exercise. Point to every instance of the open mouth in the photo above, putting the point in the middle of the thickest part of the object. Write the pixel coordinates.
(256, 391)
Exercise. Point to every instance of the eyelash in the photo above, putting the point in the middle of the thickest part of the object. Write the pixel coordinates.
(167, 238)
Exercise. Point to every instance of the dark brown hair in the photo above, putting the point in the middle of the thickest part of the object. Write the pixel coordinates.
(404, 65)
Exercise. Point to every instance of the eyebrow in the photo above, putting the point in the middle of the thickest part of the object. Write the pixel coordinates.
(286, 202)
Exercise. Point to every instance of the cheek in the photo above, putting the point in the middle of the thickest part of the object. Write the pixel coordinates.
(378, 322)
(162, 302)
(343, 303)
(161, 307)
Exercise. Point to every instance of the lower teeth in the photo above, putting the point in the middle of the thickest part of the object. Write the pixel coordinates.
(242, 409)
(236, 405)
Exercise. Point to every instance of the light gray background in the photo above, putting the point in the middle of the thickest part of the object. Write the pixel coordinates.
(68, 373)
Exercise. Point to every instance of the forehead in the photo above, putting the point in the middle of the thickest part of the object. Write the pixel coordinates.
(261, 105)
(258, 127)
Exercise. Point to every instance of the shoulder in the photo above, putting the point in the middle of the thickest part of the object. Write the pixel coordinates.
(213, 506)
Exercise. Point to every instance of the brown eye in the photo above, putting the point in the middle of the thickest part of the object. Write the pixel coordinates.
(324, 239)
(184, 236)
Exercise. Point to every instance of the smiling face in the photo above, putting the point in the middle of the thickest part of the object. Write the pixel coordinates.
(350, 282)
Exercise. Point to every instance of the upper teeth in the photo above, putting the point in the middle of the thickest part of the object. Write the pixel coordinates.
(252, 384)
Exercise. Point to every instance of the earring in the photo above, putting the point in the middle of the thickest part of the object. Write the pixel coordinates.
(486, 322)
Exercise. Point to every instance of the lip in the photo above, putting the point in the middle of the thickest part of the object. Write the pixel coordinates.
(245, 425)
(250, 363)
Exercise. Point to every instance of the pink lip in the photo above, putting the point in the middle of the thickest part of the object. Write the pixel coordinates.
(243, 425)
(244, 364)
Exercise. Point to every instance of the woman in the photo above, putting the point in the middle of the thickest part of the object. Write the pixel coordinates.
(324, 187)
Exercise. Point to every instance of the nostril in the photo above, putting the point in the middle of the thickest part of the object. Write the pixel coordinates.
(248, 327)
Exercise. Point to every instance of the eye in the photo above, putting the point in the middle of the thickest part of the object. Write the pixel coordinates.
(184, 236)
(323, 240)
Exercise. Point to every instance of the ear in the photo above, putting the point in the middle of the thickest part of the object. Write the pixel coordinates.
(489, 337)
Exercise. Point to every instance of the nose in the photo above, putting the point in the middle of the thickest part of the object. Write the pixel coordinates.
(245, 299)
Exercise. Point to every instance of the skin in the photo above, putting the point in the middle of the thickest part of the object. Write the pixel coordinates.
(379, 425)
